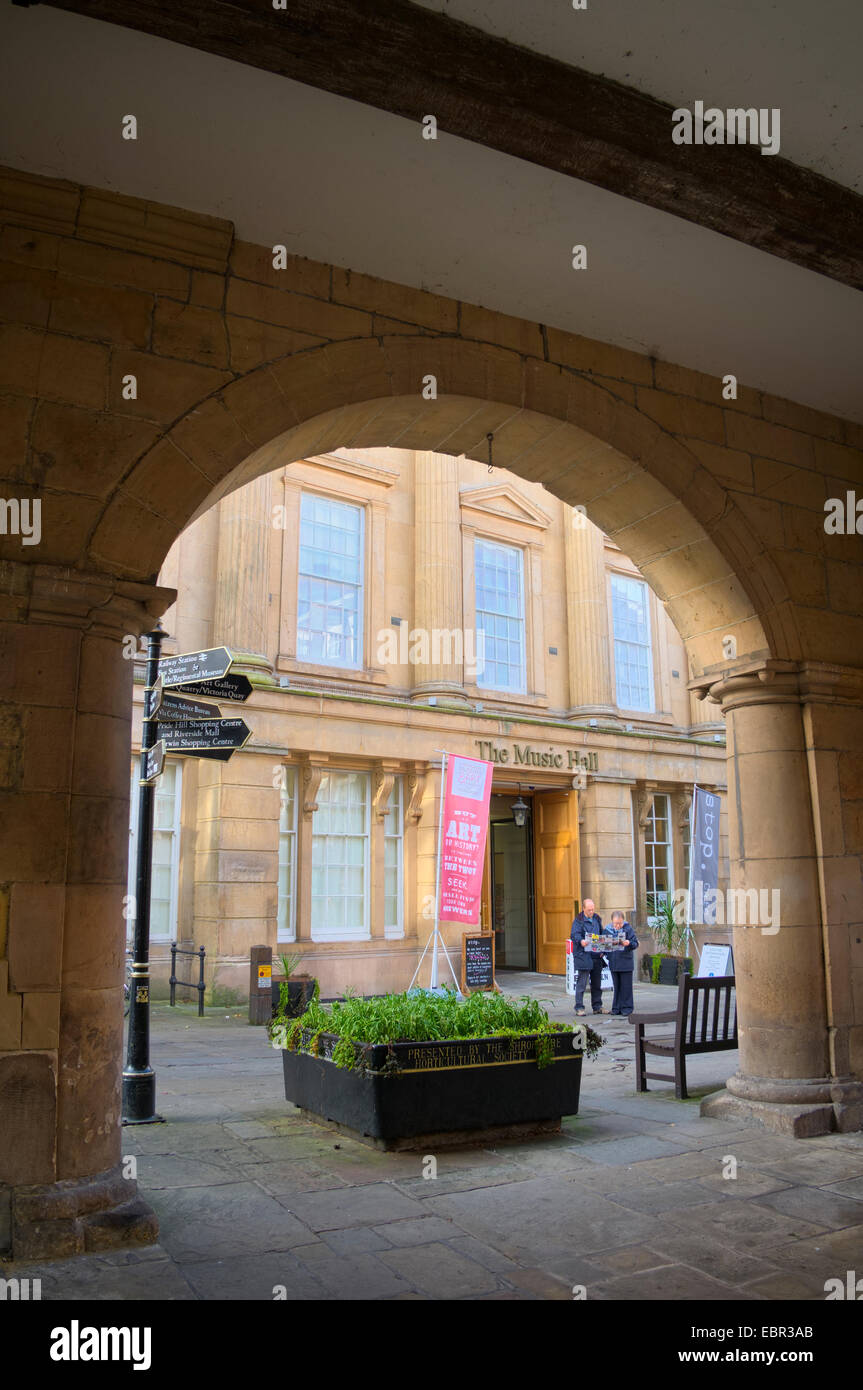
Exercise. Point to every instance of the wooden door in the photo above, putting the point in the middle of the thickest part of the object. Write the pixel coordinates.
(557, 875)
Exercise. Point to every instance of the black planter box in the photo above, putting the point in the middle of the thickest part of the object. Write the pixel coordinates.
(299, 995)
(439, 1088)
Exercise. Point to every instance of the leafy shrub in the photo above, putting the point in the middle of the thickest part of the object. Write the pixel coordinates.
(419, 1017)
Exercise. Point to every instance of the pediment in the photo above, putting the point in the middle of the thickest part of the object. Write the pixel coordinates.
(503, 500)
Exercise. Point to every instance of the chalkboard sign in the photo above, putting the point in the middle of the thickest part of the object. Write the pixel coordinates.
(477, 962)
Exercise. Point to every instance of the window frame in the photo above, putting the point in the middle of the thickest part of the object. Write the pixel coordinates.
(361, 508)
(395, 931)
(176, 833)
(618, 576)
(364, 934)
(482, 682)
(281, 937)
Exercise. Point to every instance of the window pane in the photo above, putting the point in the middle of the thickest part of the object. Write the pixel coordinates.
(340, 851)
(633, 661)
(286, 926)
(499, 616)
(330, 584)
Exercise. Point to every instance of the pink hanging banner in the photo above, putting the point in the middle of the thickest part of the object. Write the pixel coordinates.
(465, 826)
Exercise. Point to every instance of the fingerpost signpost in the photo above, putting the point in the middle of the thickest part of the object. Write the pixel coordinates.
(190, 727)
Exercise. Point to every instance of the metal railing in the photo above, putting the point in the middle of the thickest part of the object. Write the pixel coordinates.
(187, 984)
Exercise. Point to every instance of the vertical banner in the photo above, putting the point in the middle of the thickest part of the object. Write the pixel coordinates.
(570, 968)
(704, 858)
(465, 826)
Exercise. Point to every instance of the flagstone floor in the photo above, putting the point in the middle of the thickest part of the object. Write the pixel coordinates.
(632, 1200)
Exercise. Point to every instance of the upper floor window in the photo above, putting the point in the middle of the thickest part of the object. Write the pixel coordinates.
(633, 659)
(499, 572)
(330, 588)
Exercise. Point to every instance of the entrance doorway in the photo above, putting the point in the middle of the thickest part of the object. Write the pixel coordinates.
(533, 878)
(512, 895)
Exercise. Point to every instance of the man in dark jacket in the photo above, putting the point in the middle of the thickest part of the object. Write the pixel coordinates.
(622, 966)
(588, 923)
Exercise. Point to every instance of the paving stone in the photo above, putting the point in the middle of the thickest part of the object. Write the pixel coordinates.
(173, 1170)
(92, 1277)
(544, 1218)
(616, 1151)
(677, 1283)
(418, 1230)
(631, 1260)
(249, 1129)
(439, 1272)
(743, 1225)
(260, 1277)
(358, 1206)
(657, 1196)
(539, 1284)
(720, 1261)
(356, 1240)
(783, 1287)
(485, 1255)
(822, 1208)
(829, 1254)
(817, 1168)
(749, 1182)
(852, 1188)
(289, 1178)
(198, 1223)
(359, 1277)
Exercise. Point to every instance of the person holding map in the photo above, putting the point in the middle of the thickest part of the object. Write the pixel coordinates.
(586, 927)
(622, 965)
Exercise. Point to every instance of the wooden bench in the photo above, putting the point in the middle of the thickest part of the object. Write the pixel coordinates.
(705, 1021)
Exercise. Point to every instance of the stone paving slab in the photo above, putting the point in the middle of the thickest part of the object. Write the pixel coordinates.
(631, 1200)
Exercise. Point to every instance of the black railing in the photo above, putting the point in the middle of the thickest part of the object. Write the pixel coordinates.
(187, 984)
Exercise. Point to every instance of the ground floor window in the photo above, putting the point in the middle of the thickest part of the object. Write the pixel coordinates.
(287, 911)
(657, 853)
(164, 889)
(340, 858)
(394, 923)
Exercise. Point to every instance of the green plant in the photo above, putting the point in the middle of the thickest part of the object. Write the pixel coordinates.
(669, 932)
(289, 964)
(417, 1016)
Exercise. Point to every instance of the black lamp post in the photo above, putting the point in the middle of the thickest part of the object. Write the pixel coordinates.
(139, 1079)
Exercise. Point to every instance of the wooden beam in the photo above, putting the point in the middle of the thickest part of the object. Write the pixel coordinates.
(398, 57)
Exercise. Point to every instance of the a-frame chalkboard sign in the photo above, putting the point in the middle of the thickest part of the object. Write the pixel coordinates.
(477, 962)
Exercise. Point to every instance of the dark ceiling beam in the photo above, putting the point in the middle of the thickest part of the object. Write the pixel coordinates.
(401, 58)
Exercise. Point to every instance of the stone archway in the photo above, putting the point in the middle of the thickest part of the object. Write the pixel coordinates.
(655, 465)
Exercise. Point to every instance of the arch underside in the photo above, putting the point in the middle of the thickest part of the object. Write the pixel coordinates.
(636, 481)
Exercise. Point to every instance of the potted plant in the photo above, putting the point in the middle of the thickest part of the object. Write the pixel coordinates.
(406, 1069)
(670, 934)
(294, 988)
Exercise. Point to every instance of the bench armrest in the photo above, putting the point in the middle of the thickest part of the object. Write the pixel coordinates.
(653, 1018)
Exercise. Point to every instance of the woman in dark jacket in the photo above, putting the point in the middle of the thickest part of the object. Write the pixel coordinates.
(622, 966)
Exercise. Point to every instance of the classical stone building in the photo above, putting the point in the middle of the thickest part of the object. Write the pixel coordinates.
(212, 274)
(388, 605)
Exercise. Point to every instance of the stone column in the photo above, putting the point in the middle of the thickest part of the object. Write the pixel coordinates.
(66, 643)
(242, 583)
(438, 594)
(788, 1079)
(591, 689)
